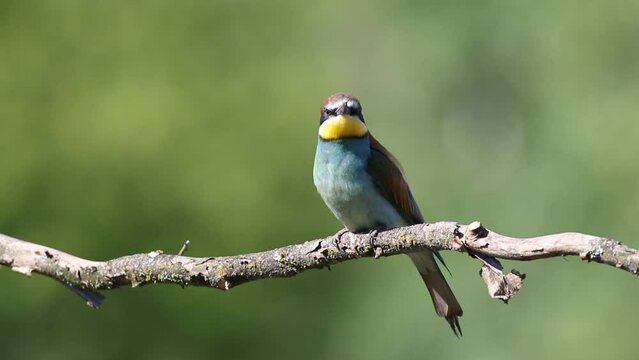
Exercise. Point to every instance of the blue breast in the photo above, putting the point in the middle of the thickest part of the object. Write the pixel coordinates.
(347, 188)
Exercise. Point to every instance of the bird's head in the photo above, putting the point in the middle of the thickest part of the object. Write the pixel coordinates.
(341, 117)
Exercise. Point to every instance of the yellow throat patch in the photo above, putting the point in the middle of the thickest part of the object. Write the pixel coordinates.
(342, 126)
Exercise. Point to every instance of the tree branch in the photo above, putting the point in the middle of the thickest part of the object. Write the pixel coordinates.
(228, 271)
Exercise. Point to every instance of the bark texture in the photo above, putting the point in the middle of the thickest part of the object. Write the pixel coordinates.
(228, 271)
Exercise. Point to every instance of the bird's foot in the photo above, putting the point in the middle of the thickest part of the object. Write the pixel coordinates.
(371, 242)
(337, 238)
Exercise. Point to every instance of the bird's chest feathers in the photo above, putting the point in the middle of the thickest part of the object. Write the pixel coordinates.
(341, 177)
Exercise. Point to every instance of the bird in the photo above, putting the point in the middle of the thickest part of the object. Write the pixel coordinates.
(364, 186)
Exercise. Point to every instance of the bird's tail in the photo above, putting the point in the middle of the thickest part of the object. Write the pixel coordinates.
(444, 300)
(93, 298)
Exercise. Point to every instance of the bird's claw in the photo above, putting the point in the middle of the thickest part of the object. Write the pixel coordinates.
(371, 242)
(337, 238)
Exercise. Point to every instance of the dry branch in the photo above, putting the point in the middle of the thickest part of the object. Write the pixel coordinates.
(228, 271)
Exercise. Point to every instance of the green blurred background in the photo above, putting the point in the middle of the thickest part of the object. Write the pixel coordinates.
(130, 126)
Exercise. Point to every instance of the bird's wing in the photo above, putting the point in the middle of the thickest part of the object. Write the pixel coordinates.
(388, 177)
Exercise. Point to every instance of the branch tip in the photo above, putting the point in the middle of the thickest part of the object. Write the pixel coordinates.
(184, 247)
(476, 230)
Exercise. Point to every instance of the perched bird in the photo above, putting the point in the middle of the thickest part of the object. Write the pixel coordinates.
(364, 186)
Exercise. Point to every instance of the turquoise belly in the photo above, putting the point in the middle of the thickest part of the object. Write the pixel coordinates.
(346, 187)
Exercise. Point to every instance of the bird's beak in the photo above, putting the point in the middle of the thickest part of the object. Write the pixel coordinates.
(342, 126)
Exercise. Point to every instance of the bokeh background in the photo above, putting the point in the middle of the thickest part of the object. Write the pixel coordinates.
(130, 126)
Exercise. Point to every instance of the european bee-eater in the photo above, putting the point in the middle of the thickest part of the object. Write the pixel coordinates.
(364, 186)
